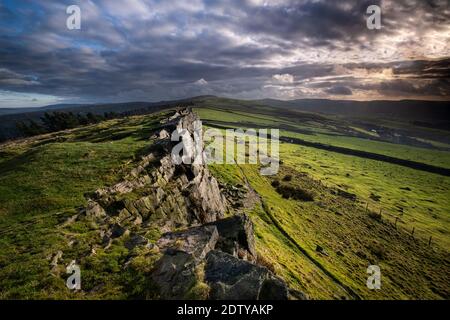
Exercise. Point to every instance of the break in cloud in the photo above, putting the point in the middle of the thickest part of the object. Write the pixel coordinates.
(153, 50)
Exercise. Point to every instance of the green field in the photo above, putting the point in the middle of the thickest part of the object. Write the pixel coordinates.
(43, 181)
(417, 200)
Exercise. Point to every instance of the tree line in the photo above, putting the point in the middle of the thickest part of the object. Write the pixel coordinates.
(57, 121)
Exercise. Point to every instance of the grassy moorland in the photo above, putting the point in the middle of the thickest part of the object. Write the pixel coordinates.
(42, 181)
(311, 222)
(326, 132)
(289, 231)
(351, 236)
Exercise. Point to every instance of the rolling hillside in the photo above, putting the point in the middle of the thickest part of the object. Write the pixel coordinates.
(417, 114)
(317, 224)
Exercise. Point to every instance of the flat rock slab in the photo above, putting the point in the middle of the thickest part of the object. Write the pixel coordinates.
(197, 241)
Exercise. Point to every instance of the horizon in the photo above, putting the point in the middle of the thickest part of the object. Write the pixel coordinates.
(214, 96)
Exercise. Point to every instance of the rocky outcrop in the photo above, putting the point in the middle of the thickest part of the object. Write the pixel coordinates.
(213, 254)
(159, 191)
(203, 254)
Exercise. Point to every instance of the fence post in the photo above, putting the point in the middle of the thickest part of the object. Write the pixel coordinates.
(367, 206)
(412, 233)
(429, 241)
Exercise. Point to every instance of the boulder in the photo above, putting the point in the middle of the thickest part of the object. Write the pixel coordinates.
(273, 288)
(230, 278)
(174, 274)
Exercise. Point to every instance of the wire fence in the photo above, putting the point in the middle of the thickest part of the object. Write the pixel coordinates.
(395, 221)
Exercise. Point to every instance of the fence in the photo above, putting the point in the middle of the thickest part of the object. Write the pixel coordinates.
(393, 221)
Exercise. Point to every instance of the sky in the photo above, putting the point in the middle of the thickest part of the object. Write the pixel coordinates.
(151, 50)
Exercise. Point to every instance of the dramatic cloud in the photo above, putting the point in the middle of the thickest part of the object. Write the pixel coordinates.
(152, 50)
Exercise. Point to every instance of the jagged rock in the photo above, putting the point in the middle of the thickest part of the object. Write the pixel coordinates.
(236, 236)
(129, 205)
(123, 215)
(136, 171)
(205, 193)
(230, 278)
(197, 241)
(159, 195)
(186, 196)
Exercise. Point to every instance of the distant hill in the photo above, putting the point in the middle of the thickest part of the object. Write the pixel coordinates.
(4, 111)
(424, 113)
(404, 109)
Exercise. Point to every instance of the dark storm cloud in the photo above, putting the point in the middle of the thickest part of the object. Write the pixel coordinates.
(425, 69)
(149, 50)
(322, 22)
